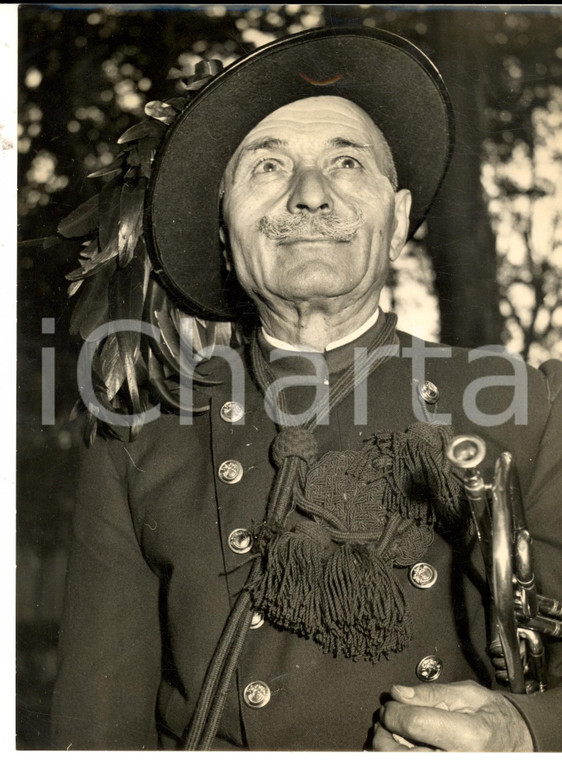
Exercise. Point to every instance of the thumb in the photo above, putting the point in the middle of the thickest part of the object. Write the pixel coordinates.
(465, 696)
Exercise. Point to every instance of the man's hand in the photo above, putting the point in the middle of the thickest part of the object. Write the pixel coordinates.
(457, 717)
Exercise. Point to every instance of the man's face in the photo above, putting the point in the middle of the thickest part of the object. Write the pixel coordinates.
(309, 213)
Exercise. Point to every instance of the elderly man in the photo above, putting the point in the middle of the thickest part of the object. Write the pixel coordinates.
(293, 568)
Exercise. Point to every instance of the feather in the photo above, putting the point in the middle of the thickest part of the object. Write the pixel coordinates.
(175, 73)
(224, 333)
(107, 173)
(74, 287)
(147, 151)
(44, 242)
(147, 265)
(89, 248)
(111, 369)
(90, 264)
(76, 410)
(109, 207)
(161, 111)
(133, 159)
(178, 103)
(115, 165)
(190, 343)
(91, 309)
(145, 128)
(91, 429)
(82, 220)
(160, 386)
(169, 337)
(126, 301)
(130, 220)
(157, 312)
(126, 289)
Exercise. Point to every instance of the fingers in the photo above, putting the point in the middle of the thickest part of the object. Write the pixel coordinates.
(385, 741)
(457, 717)
(462, 696)
(447, 730)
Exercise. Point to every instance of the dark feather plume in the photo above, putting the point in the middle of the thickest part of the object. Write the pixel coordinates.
(146, 128)
(111, 283)
(82, 221)
(91, 308)
(130, 219)
(109, 208)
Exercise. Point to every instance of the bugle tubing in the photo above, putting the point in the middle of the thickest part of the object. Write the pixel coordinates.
(521, 615)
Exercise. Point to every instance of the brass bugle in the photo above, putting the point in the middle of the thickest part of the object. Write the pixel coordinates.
(502, 573)
(521, 615)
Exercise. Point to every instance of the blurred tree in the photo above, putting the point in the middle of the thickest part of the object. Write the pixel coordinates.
(460, 237)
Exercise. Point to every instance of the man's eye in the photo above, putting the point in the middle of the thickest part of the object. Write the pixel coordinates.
(347, 162)
(267, 166)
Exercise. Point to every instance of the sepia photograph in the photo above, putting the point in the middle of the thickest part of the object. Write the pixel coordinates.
(289, 378)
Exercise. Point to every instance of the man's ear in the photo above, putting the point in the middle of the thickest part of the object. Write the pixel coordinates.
(402, 205)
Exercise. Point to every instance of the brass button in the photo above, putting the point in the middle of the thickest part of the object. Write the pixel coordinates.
(429, 668)
(429, 392)
(240, 541)
(423, 575)
(231, 411)
(257, 621)
(231, 471)
(257, 694)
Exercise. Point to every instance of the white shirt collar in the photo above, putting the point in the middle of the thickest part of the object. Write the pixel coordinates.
(276, 343)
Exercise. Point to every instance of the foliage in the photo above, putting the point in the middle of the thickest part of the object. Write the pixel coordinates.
(525, 201)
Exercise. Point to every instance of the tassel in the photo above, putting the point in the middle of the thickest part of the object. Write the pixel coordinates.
(289, 588)
(419, 482)
(366, 611)
(344, 597)
(427, 445)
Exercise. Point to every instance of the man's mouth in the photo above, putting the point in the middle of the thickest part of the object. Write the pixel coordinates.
(311, 239)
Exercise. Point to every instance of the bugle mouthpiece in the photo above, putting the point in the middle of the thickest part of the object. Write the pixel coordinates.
(466, 451)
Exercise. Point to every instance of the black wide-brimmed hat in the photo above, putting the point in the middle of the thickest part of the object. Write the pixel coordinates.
(384, 74)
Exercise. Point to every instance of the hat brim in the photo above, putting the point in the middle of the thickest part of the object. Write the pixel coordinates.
(384, 74)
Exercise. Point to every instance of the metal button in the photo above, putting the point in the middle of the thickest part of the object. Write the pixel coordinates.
(429, 392)
(429, 668)
(231, 471)
(423, 575)
(240, 541)
(257, 620)
(231, 411)
(257, 694)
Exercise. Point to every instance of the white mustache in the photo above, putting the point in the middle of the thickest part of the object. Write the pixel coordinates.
(337, 228)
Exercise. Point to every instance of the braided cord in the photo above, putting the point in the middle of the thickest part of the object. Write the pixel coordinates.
(219, 664)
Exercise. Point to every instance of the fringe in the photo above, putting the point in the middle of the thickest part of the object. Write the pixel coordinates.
(345, 595)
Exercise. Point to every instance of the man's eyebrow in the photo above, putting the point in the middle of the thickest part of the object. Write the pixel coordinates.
(344, 142)
(265, 143)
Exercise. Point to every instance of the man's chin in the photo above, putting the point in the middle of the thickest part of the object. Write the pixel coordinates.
(307, 289)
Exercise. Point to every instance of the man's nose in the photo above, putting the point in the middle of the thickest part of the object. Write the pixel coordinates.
(310, 192)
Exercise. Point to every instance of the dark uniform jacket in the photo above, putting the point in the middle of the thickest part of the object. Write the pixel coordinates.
(153, 573)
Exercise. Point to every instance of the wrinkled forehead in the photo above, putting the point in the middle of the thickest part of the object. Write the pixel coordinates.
(310, 114)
